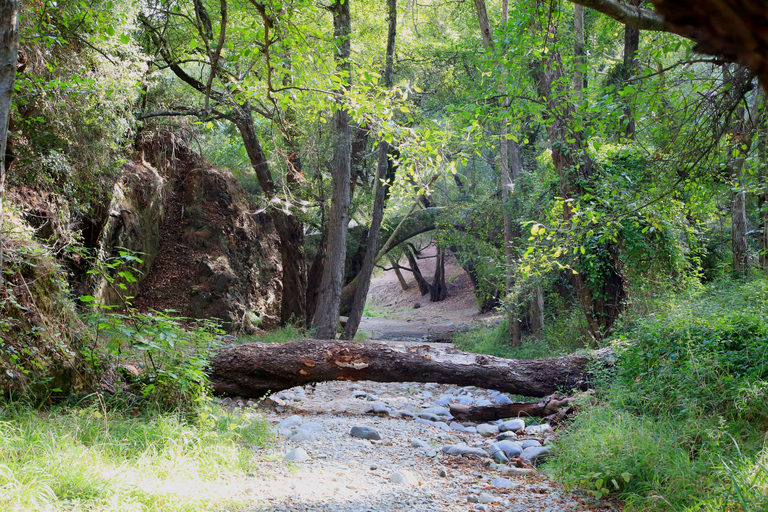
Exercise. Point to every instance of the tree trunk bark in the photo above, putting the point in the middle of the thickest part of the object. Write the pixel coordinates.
(288, 227)
(545, 407)
(417, 276)
(380, 197)
(326, 317)
(513, 320)
(256, 369)
(438, 291)
(631, 46)
(9, 53)
(579, 55)
(400, 279)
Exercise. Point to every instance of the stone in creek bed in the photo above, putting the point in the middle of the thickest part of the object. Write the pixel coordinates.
(535, 454)
(418, 443)
(530, 442)
(312, 426)
(359, 393)
(363, 432)
(296, 455)
(463, 449)
(439, 411)
(487, 430)
(378, 408)
(537, 429)
(300, 434)
(292, 421)
(510, 448)
(512, 425)
(429, 416)
(457, 426)
(502, 399)
(483, 403)
(506, 435)
(503, 483)
(486, 497)
(403, 477)
(511, 470)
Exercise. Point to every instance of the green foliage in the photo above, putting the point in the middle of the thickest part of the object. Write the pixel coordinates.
(172, 351)
(684, 413)
(99, 456)
(283, 334)
(494, 340)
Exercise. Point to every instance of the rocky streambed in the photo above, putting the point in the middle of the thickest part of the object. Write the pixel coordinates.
(374, 447)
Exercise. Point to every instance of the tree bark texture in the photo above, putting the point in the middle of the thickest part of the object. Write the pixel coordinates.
(422, 283)
(438, 291)
(513, 320)
(256, 369)
(380, 196)
(545, 407)
(9, 52)
(579, 55)
(631, 47)
(288, 227)
(575, 169)
(400, 279)
(326, 316)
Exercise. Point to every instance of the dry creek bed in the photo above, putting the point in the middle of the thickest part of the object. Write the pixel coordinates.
(407, 469)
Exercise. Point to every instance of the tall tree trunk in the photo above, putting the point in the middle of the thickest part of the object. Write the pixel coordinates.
(417, 276)
(289, 229)
(574, 167)
(631, 46)
(9, 52)
(400, 279)
(743, 127)
(438, 291)
(380, 195)
(513, 320)
(326, 316)
(579, 55)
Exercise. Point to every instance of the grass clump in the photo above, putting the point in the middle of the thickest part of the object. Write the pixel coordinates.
(288, 332)
(494, 341)
(94, 458)
(684, 414)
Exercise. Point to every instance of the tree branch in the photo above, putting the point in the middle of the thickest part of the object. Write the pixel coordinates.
(637, 17)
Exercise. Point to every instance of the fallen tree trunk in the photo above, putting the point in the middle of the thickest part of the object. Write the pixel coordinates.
(546, 407)
(255, 369)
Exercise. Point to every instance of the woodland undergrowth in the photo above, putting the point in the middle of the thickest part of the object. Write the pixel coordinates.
(680, 423)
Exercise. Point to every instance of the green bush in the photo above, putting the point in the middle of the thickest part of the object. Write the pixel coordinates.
(685, 412)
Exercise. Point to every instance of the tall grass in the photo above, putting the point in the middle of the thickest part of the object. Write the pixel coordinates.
(93, 458)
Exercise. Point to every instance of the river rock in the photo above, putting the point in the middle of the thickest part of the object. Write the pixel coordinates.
(403, 477)
(503, 483)
(514, 425)
(529, 443)
(300, 434)
(291, 421)
(463, 449)
(510, 448)
(535, 454)
(364, 432)
(487, 430)
(537, 429)
(296, 455)
(486, 497)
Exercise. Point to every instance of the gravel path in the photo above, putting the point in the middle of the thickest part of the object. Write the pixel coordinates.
(406, 469)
